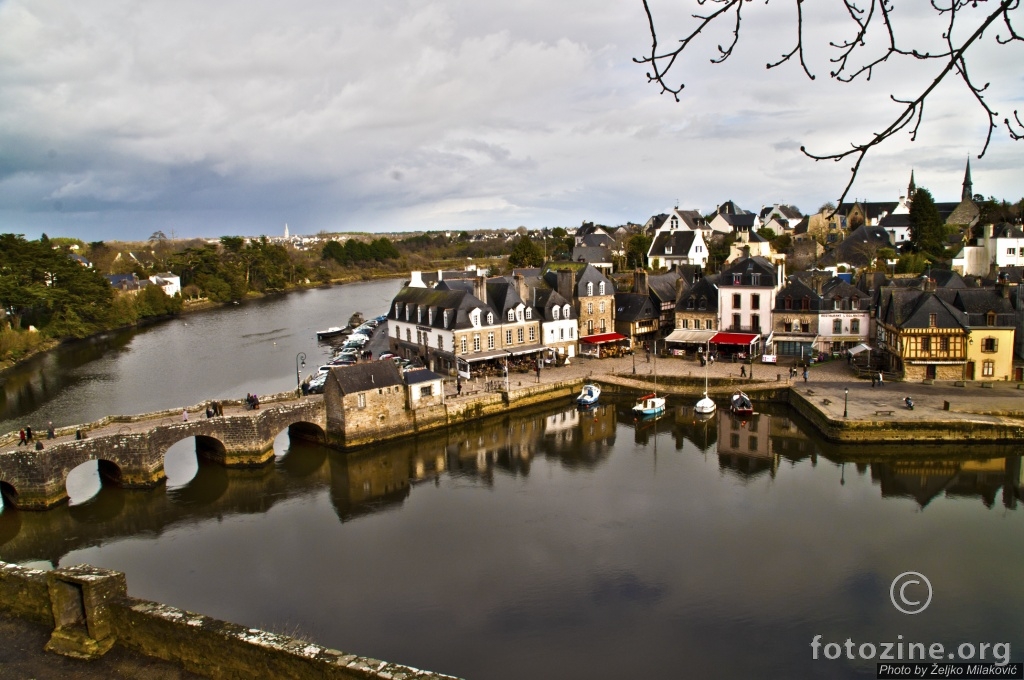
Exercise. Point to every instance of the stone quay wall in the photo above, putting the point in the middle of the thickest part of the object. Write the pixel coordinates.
(90, 611)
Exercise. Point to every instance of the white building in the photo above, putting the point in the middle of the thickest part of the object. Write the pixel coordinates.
(746, 295)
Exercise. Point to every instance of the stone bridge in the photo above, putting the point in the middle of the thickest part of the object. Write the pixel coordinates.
(130, 450)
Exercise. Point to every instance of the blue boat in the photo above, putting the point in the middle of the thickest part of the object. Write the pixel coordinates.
(589, 395)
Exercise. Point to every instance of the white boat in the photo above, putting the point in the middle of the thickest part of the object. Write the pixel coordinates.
(649, 405)
(331, 332)
(705, 406)
(741, 404)
(589, 395)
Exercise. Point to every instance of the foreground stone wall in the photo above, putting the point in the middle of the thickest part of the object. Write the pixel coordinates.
(91, 611)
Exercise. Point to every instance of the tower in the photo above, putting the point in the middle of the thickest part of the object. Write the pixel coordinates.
(286, 230)
(968, 192)
(912, 187)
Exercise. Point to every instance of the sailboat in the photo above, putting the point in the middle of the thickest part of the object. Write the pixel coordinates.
(705, 406)
(651, 404)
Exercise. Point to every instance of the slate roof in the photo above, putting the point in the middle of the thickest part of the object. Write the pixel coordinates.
(546, 298)
(912, 308)
(859, 247)
(978, 302)
(895, 221)
(746, 267)
(1006, 230)
(786, 212)
(502, 296)
(631, 307)
(455, 296)
(730, 208)
(741, 221)
(588, 254)
(585, 273)
(662, 287)
(680, 241)
(597, 241)
(872, 210)
(796, 290)
(420, 375)
(837, 287)
(367, 376)
(705, 289)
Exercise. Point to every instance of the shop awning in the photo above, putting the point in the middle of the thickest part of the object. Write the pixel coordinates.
(526, 349)
(735, 338)
(483, 356)
(860, 348)
(808, 338)
(700, 337)
(602, 338)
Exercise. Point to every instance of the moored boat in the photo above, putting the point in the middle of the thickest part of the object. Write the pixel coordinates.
(741, 405)
(649, 405)
(589, 395)
(332, 332)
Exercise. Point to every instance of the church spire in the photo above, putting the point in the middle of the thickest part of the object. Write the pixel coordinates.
(912, 187)
(968, 192)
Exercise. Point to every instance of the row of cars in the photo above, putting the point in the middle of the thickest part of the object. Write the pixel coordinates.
(350, 353)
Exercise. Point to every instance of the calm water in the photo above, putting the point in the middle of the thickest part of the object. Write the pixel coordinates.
(216, 354)
(544, 544)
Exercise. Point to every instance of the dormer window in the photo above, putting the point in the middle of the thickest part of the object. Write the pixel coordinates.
(446, 318)
(398, 309)
(737, 279)
(837, 304)
(590, 289)
(600, 288)
(419, 314)
(554, 313)
(490, 319)
(990, 318)
(933, 320)
(668, 250)
(565, 311)
(430, 316)
(408, 312)
(689, 303)
(674, 223)
(703, 303)
(511, 315)
(529, 313)
(789, 303)
(755, 279)
(854, 303)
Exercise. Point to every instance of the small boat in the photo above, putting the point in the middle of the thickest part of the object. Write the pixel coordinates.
(705, 406)
(332, 332)
(649, 405)
(589, 395)
(741, 405)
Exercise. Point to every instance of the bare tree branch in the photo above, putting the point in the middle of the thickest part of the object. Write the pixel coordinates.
(865, 15)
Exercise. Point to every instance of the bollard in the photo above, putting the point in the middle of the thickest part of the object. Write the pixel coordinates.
(945, 405)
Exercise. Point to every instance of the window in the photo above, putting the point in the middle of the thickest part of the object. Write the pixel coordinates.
(755, 323)
(446, 318)
(408, 335)
(737, 301)
(703, 303)
(990, 318)
(601, 308)
(511, 315)
(361, 400)
(1011, 251)
(787, 327)
(476, 342)
(855, 325)
(398, 309)
(490, 319)
(519, 335)
(685, 323)
(463, 345)
(926, 343)
(788, 303)
(508, 337)
(674, 222)
(944, 343)
(590, 327)
(988, 368)
(737, 279)
(932, 320)
(837, 304)
(755, 279)
(736, 321)
(490, 341)
(590, 308)
(603, 328)
(668, 250)
(426, 391)
(689, 303)
(590, 289)
(755, 302)
(989, 345)
(419, 314)
(805, 304)
(554, 313)
(408, 312)
(565, 311)
(837, 326)
(561, 334)
(529, 313)
(430, 316)
(533, 333)
(854, 303)
(600, 288)
(707, 325)
(398, 332)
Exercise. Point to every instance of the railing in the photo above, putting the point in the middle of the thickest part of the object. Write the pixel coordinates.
(744, 329)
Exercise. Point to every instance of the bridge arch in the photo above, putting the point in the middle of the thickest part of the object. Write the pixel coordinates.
(307, 431)
(8, 495)
(86, 479)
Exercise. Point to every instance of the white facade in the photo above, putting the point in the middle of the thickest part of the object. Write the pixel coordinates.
(169, 282)
(843, 326)
(560, 332)
(746, 308)
(1006, 250)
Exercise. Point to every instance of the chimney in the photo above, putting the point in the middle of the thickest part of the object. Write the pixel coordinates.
(746, 251)
(416, 280)
(640, 282)
(520, 283)
(480, 287)
(440, 275)
(679, 288)
(567, 284)
(816, 282)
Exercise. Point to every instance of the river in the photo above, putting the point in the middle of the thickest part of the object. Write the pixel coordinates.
(553, 544)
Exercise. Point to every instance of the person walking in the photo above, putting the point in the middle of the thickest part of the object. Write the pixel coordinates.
(805, 374)
(28, 432)
(874, 379)
(538, 371)
(49, 430)
(184, 415)
(743, 371)
(880, 381)
(21, 438)
(458, 387)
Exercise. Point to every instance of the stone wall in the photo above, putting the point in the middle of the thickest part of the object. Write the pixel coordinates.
(91, 611)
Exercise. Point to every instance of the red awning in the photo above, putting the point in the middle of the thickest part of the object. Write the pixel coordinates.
(602, 338)
(734, 338)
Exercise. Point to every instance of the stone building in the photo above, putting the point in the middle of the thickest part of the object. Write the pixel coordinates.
(366, 401)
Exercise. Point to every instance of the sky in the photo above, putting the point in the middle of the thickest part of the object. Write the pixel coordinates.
(119, 118)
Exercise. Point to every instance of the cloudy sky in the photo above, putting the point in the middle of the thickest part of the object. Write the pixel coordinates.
(122, 117)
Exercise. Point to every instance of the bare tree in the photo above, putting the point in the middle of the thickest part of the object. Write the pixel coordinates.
(965, 22)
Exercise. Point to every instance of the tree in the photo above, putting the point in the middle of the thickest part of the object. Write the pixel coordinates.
(927, 230)
(767, 233)
(636, 250)
(874, 23)
(525, 253)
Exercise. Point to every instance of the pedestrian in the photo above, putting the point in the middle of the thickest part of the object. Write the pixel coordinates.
(538, 371)
(458, 387)
(49, 430)
(209, 411)
(880, 381)
(647, 354)
(805, 374)
(28, 432)
(21, 438)
(184, 415)
(874, 379)
(255, 401)
(743, 371)
(712, 360)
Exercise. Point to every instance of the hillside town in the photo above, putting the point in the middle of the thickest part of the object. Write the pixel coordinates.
(854, 282)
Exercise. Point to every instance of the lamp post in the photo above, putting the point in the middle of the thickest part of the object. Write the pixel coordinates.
(846, 402)
(299, 358)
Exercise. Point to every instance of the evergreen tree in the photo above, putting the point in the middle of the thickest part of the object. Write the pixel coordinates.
(927, 230)
(636, 250)
(525, 253)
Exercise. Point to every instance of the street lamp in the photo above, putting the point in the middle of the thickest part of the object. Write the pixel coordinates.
(299, 358)
(846, 402)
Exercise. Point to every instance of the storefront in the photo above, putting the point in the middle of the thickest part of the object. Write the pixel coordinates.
(603, 344)
(742, 345)
(683, 342)
(522, 359)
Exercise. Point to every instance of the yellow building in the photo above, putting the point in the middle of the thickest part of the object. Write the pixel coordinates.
(990, 353)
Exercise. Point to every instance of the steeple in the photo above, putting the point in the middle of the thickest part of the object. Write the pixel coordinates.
(968, 192)
(912, 187)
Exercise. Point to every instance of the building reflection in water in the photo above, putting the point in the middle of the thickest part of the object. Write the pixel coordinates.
(381, 478)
